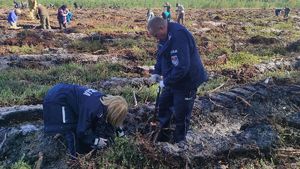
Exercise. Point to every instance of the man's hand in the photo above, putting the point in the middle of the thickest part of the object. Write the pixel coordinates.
(100, 143)
(154, 78)
(161, 84)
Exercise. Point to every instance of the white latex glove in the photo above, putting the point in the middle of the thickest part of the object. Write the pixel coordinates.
(161, 84)
(154, 78)
(100, 142)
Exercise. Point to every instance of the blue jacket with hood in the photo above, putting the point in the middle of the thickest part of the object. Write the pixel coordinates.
(12, 17)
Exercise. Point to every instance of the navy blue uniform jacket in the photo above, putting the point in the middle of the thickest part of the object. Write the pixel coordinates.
(178, 60)
(75, 108)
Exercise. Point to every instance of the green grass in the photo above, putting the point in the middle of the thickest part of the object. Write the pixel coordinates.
(21, 86)
(115, 28)
(236, 60)
(27, 86)
(293, 76)
(125, 153)
(88, 46)
(25, 49)
(218, 52)
(284, 25)
(211, 85)
(125, 43)
(21, 164)
(143, 94)
(186, 3)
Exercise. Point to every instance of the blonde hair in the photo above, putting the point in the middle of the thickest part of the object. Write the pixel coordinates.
(117, 109)
(18, 11)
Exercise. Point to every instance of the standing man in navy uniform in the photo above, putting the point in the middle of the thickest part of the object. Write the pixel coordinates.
(180, 71)
(87, 118)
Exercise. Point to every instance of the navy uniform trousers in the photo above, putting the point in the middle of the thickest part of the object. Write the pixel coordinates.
(182, 103)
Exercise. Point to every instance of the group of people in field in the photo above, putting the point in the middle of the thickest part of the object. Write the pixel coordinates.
(166, 14)
(39, 11)
(89, 119)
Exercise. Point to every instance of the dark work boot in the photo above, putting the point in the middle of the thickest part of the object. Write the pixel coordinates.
(164, 135)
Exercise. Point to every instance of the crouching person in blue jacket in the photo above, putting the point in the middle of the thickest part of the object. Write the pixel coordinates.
(179, 71)
(12, 18)
(87, 118)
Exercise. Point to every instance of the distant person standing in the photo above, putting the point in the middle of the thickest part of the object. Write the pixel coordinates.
(167, 7)
(44, 17)
(12, 18)
(150, 15)
(32, 4)
(286, 12)
(166, 16)
(278, 11)
(75, 5)
(62, 16)
(167, 11)
(180, 13)
(17, 5)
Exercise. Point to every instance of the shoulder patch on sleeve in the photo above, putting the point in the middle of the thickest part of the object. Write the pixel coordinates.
(174, 60)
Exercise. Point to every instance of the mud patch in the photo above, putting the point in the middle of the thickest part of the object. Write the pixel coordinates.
(262, 40)
(28, 141)
(294, 47)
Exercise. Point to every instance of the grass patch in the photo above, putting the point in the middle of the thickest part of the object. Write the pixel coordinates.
(149, 62)
(139, 52)
(25, 49)
(293, 76)
(261, 30)
(218, 52)
(266, 52)
(21, 164)
(125, 43)
(88, 46)
(115, 28)
(236, 60)
(284, 25)
(210, 85)
(125, 154)
(22, 86)
(143, 94)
